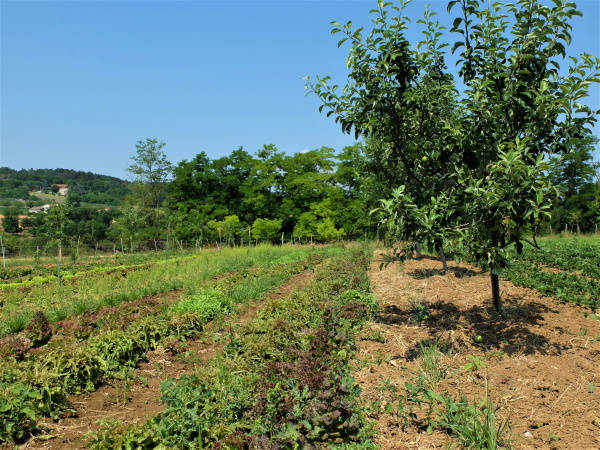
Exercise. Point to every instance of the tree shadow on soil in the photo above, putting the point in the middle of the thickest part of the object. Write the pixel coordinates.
(511, 333)
(459, 272)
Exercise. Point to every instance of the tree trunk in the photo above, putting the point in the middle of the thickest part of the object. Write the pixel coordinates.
(443, 258)
(418, 250)
(496, 292)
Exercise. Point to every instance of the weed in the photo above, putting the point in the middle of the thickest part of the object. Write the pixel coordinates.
(475, 364)
(475, 426)
(375, 336)
(115, 434)
(430, 363)
(495, 354)
(18, 411)
(553, 438)
(419, 312)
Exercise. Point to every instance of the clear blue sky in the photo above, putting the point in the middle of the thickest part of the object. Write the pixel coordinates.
(83, 81)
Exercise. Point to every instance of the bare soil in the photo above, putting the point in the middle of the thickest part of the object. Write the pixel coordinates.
(541, 359)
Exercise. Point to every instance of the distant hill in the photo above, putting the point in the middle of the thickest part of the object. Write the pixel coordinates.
(90, 187)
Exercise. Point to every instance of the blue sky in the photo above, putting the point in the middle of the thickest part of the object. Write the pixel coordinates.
(83, 81)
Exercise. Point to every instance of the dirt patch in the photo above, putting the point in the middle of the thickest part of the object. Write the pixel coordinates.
(541, 360)
(136, 400)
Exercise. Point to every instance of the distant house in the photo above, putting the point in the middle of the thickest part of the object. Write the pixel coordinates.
(37, 209)
(63, 189)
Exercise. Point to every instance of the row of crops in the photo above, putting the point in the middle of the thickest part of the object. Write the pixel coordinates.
(246, 396)
(566, 269)
(283, 381)
(92, 287)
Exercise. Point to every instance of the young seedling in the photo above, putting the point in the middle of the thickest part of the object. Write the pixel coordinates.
(475, 364)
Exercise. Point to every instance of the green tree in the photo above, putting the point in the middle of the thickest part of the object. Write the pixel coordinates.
(262, 189)
(190, 225)
(318, 223)
(216, 188)
(574, 173)
(74, 200)
(266, 229)
(575, 168)
(56, 222)
(150, 171)
(10, 222)
(133, 225)
(227, 229)
(478, 175)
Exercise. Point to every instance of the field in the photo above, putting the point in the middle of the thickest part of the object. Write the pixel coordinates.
(302, 347)
(530, 379)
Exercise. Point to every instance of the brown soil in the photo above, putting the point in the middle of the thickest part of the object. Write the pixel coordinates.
(541, 360)
(139, 398)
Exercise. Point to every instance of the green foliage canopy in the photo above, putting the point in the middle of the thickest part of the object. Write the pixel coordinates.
(469, 167)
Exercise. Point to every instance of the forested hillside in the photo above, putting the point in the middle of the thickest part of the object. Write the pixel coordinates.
(90, 187)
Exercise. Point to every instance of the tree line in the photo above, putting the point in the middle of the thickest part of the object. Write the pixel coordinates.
(318, 195)
(312, 195)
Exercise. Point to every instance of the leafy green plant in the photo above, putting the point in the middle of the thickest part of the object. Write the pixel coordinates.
(552, 437)
(474, 364)
(419, 312)
(15, 346)
(115, 434)
(18, 411)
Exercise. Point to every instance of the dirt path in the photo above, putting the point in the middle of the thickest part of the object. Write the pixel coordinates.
(541, 362)
(138, 399)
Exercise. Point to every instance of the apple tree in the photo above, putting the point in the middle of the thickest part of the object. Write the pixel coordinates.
(470, 158)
